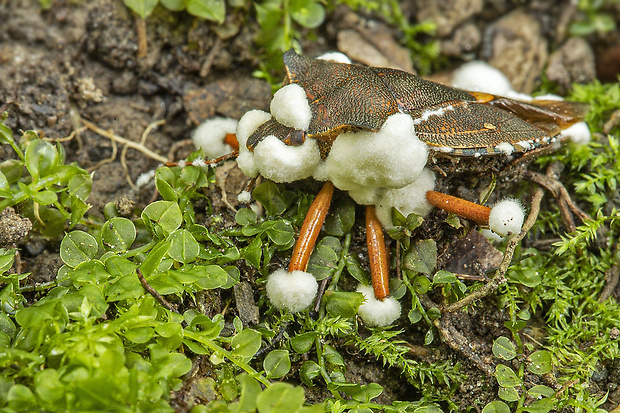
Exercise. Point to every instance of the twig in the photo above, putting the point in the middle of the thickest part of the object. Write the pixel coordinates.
(165, 303)
(145, 134)
(206, 67)
(172, 152)
(107, 160)
(134, 145)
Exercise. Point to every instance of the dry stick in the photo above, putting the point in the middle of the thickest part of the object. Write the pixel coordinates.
(310, 228)
(145, 134)
(120, 139)
(499, 275)
(154, 293)
(377, 254)
(206, 67)
(107, 160)
(178, 145)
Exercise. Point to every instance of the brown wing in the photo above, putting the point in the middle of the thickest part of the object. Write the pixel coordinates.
(473, 129)
(340, 95)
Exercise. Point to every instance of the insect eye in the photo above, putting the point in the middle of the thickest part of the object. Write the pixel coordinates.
(296, 138)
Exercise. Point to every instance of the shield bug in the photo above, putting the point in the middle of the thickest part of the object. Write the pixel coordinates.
(369, 131)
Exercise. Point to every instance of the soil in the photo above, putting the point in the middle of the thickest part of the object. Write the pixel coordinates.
(78, 60)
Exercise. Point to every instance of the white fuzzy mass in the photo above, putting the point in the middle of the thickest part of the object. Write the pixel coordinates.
(291, 291)
(377, 313)
(390, 158)
(282, 163)
(290, 107)
(507, 217)
(210, 136)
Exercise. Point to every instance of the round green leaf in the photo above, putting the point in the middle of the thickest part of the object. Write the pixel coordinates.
(207, 9)
(302, 343)
(183, 246)
(277, 364)
(422, 257)
(77, 247)
(509, 394)
(166, 214)
(142, 7)
(504, 348)
(421, 284)
(309, 14)
(506, 377)
(245, 216)
(496, 407)
(281, 233)
(118, 234)
(540, 362)
(246, 343)
(41, 159)
(280, 397)
(541, 391)
(309, 371)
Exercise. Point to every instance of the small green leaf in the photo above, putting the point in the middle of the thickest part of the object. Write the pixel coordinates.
(207, 9)
(429, 337)
(183, 246)
(154, 258)
(443, 277)
(250, 389)
(307, 13)
(341, 220)
(540, 362)
(41, 159)
(246, 343)
(173, 5)
(269, 195)
(118, 234)
(343, 304)
(422, 257)
(165, 213)
(324, 260)
(253, 252)
(281, 233)
(280, 397)
(302, 343)
(509, 394)
(541, 391)
(504, 348)
(245, 216)
(496, 407)
(142, 8)
(414, 316)
(543, 406)
(276, 364)
(506, 377)
(77, 247)
(421, 284)
(356, 270)
(309, 371)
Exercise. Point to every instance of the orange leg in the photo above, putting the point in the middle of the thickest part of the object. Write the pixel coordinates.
(310, 228)
(377, 254)
(476, 212)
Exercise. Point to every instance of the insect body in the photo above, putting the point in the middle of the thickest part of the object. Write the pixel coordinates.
(344, 97)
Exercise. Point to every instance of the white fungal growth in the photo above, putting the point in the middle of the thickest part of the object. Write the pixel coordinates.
(210, 136)
(409, 199)
(335, 57)
(377, 313)
(292, 291)
(246, 127)
(505, 148)
(390, 158)
(282, 163)
(434, 112)
(578, 133)
(479, 76)
(145, 178)
(244, 197)
(290, 107)
(507, 217)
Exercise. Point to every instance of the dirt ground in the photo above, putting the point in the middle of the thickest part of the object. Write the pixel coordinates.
(78, 60)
